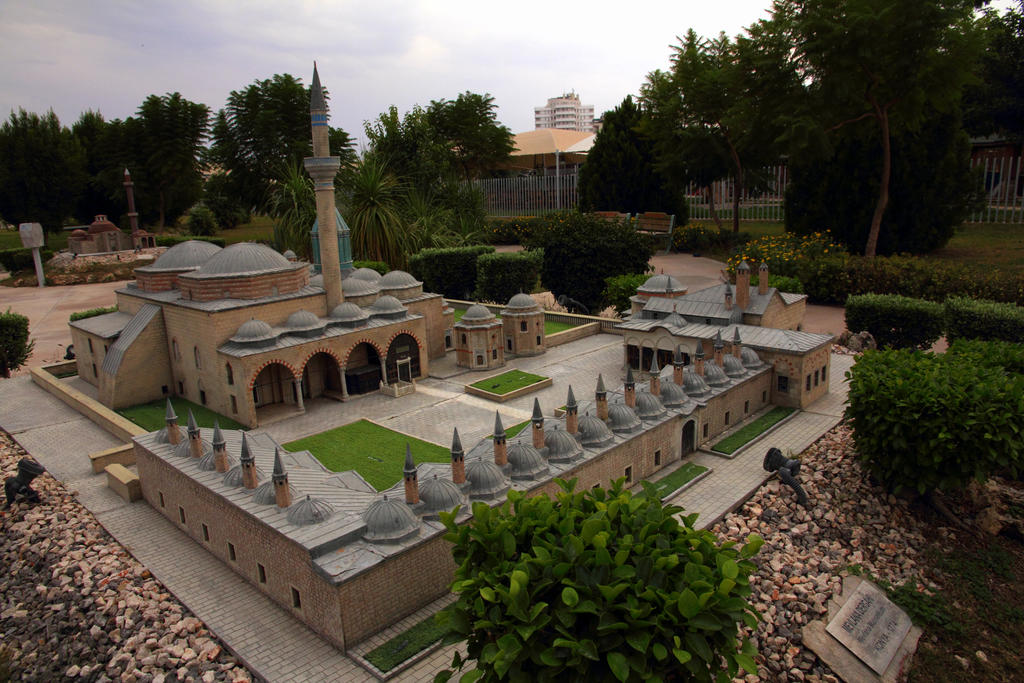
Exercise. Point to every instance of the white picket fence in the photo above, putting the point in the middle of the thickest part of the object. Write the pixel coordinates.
(530, 195)
(1004, 189)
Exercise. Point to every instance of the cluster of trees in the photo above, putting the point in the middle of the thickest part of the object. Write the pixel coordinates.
(869, 101)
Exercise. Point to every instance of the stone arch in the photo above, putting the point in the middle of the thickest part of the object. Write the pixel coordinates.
(264, 364)
(321, 349)
(322, 374)
(357, 342)
(391, 361)
(363, 379)
(273, 384)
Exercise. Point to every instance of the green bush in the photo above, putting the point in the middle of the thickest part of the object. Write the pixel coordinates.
(619, 288)
(226, 208)
(518, 230)
(1000, 354)
(925, 422)
(597, 585)
(826, 280)
(895, 321)
(783, 283)
(21, 259)
(499, 277)
(171, 240)
(449, 271)
(979, 319)
(697, 238)
(15, 346)
(201, 221)
(785, 254)
(91, 313)
(379, 266)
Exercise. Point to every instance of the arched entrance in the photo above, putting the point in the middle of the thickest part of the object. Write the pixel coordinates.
(403, 359)
(689, 435)
(274, 393)
(362, 370)
(321, 377)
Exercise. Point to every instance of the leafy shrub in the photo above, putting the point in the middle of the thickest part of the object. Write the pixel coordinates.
(519, 230)
(784, 254)
(21, 259)
(201, 221)
(783, 283)
(226, 208)
(926, 422)
(1000, 354)
(698, 238)
(91, 313)
(826, 280)
(974, 319)
(895, 321)
(597, 584)
(449, 271)
(499, 277)
(619, 288)
(171, 240)
(379, 266)
(15, 346)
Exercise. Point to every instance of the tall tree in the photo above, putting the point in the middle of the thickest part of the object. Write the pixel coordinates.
(469, 126)
(89, 130)
(410, 147)
(42, 170)
(887, 62)
(995, 105)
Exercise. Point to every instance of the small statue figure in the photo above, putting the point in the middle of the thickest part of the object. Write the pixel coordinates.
(789, 470)
(21, 485)
(69, 352)
(571, 305)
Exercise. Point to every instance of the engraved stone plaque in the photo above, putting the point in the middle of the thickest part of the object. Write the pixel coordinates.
(870, 626)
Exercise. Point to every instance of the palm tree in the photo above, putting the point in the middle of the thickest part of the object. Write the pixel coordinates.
(292, 206)
(375, 200)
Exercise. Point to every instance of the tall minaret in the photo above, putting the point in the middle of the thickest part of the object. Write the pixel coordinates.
(322, 168)
(133, 215)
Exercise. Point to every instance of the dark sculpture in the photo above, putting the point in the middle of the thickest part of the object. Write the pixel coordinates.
(571, 305)
(789, 470)
(69, 352)
(21, 485)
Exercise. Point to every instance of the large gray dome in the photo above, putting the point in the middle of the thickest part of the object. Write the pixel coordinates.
(234, 478)
(398, 279)
(661, 284)
(562, 446)
(184, 450)
(304, 323)
(485, 479)
(352, 286)
(594, 432)
(190, 254)
(253, 331)
(365, 274)
(348, 314)
(244, 258)
(715, 375)
(526, 461)
(750, 358)
(266, 495)
(440, 494)
(694, 384)
(733, 366)
(477, 314)
(389, 520)
(309, 511)
(387, 307)
(672, 395)
(522, 301)
(621, 418)
(208, 462)
(649, 406)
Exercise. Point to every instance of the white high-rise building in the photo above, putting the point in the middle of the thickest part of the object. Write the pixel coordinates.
(566, 113)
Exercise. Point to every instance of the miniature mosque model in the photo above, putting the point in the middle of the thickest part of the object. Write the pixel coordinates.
(251, 333)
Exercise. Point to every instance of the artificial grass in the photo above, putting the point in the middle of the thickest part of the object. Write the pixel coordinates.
(375, 452)
(513, 430)
(686, 473)
(550, 326)
(406, 644)
(150, 416)
(748, 433)
(507, 382)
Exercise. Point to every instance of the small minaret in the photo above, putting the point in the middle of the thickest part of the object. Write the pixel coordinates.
(133, 215)
(538, 425)
(655, 381)
(629, 393)
(677, 367)
(248, 462)
(698, 359)
(601, 399)
(572, 421)
(500, 442)
(762, 278)
(743, 285)
(282, 493)
(195, 441)
(322, 167)
(220, 449)
(173, 433)
(728, 297)
(736, 345)
(719, 346)
(412, 486)
(458, 459)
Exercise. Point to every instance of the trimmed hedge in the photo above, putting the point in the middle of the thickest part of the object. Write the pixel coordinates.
(697, 238)
(448, 271)
(783, 283)
(618, 289)
(91, 313)
(379, 266)
(1000, 354)
(499, 277)
(974, 319)
(895, 321)
(171, 240)
(924, 422)
(21, 259)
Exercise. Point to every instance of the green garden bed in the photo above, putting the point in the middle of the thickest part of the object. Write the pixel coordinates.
(550, 326)
(150, 416)
(406, 644)
(685, 474)
(513, 430)
(745, 435)
(507, 382)
(375, 452)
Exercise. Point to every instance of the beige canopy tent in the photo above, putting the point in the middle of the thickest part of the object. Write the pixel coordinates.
(545, 149)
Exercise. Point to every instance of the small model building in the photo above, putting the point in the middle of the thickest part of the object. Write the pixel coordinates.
(522, 322)
(102, 236)
(478, 340)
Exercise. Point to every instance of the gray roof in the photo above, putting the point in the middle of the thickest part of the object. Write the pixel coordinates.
(398, 279)
(107, 326)
(762, 338)
(131, 331)
(356, 286)
(316, 93)
(662, 284)
(476, 314)
(173, 296)
(183, 256)
(243, 259)
(522, 301)
(365, 274)
(285, 339)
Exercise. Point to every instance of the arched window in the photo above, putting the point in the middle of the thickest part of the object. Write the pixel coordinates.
(231, 374)
(174, 347)
(195, 352)
(463, 339)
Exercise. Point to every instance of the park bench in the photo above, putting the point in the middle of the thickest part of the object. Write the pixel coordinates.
(656, 223)
(611, 216)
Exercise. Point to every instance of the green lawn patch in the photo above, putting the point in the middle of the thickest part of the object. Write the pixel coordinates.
(259, 229)
(150, 416)
(685, 474)
(375, 452)
(507, 381)
(513, 430)
(745, 435)
(406, 644)
(550, 326)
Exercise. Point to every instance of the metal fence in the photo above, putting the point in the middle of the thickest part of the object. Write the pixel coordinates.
(529, 196)
(1004, 190)
(767, 205)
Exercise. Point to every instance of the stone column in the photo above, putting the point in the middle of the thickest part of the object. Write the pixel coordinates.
(298, 394)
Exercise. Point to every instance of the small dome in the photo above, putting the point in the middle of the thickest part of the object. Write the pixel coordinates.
(526, 461)
(621, 418)
(304, 323)
(365, 274)
(485, 479)
(562, 446)
(694, 384)
(662, 284)
(185, 255)
(522, 301)
(309, 511)
(389, 520)
(348, 313)
(733, 366)
(184, 450)
(672, 395)
(352, 286)
(649, 406)
(79, 234)
(253, 331)
(750, 358)
(398, 279)
(714, 375)
(593, 432)
(476, 314)
(208, 463)
(233, 478)
(440, 494)
(100, 225)
(290, 255)
(244, 258)
(266, 495)
(387, 307)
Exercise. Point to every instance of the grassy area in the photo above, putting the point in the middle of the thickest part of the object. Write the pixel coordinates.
(11, 239)
(508, 381)
(150, 416)
(550, 326)
(375, 452)
(985, 245)
(748, 433)
(406, 644)
(513, 430)
(259, 229)
(685, 474)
